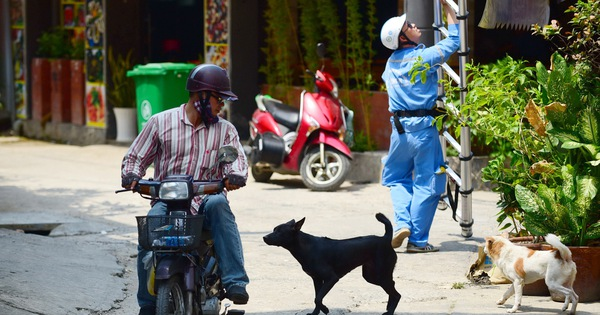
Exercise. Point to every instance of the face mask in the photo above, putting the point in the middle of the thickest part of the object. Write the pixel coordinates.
(203, 107)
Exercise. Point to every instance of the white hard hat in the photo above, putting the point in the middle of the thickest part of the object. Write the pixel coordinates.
(391, 30)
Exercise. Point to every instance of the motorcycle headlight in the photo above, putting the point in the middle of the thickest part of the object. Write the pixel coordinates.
(174, 191)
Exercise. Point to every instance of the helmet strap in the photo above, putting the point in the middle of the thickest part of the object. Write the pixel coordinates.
(202, 105)
(407, 41)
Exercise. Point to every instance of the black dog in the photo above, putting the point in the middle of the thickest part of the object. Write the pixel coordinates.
(326, 261)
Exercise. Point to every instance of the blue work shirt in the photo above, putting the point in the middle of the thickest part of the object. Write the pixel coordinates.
(403, 95)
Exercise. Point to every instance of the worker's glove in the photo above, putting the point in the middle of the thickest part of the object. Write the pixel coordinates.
(128, 179)
(236, 180)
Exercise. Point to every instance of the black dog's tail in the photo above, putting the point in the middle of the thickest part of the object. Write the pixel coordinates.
(389, 231)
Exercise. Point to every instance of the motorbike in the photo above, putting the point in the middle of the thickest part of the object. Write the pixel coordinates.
(313, 141)
(182, 264)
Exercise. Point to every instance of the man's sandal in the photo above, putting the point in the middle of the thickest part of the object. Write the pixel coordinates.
(412, 248)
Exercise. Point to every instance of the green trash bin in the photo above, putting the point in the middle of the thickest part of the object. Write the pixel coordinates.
(159, 86)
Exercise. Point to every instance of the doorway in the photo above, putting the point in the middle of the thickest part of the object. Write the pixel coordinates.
(175, 30)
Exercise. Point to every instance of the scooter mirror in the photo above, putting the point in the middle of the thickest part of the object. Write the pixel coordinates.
(321, 50)
(227, 154)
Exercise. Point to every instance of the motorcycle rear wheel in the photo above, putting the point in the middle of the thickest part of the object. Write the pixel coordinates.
(329, 176)
(170, 299)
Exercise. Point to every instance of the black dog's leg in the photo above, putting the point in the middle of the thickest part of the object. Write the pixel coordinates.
(384, 280)
(321, 289)
(394, 297)
(318, 284)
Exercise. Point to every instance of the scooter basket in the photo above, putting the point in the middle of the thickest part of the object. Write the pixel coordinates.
(269, 148)
(170, 231)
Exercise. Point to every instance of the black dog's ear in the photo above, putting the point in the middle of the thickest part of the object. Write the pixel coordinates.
(299, 224)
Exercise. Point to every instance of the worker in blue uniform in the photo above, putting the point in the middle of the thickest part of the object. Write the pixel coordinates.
(414, 168)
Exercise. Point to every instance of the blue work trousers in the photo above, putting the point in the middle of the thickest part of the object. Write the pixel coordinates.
(414, 170)
(227, 242)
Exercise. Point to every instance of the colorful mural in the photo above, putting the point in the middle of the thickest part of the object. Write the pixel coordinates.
(95, 91)
(18, 57)
(216, 32)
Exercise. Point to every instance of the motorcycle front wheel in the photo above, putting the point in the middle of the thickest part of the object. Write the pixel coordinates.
(170, 299)
(327, 175)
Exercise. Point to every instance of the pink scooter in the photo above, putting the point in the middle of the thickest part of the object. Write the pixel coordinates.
(313, 141)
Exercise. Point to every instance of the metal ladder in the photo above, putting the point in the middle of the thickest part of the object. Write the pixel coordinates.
(463, 182)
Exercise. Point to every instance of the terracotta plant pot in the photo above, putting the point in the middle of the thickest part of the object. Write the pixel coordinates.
(77, 92)
(587, 282)
(60, 93)
(538, 288)
(40, 89)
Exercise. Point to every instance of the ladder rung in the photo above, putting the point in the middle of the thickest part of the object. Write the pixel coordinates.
(452, 141)
(443, 30)
(453, 75)
(454, 176)
(450, 106)
(453, 5)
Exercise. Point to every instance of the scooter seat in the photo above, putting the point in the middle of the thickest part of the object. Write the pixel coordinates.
(283, 113)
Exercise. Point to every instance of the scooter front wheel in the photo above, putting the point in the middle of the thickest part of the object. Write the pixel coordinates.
(260, 175)
(170, 298)
(327, 174)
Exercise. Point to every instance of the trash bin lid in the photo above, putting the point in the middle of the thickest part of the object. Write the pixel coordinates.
(160, 69)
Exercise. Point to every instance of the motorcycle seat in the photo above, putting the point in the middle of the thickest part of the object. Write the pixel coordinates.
(283, 113)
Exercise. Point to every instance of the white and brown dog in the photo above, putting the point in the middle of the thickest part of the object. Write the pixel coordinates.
(523, 265)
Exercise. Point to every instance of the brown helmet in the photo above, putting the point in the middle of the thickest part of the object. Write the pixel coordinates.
(209, 77)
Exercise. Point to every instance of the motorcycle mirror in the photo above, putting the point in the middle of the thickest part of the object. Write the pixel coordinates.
(227, 154)
(321, 50)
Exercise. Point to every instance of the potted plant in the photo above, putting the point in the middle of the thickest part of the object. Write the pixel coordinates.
(76, 64)
(549, 120)
(121, 95)
(56, 45)
(51, 45)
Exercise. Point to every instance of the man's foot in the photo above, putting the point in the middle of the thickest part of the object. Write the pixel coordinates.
(148, 310)
(412, 248)
(399, 237)
(237, 294)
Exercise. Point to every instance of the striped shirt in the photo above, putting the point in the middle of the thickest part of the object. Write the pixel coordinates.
(173, 145)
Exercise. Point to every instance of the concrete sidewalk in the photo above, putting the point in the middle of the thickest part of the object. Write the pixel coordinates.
(88, 265)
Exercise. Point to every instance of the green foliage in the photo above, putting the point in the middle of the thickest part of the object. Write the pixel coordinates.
(122, 93)
(348, 42)
(55, 43)
(551, 182)
(562, 210)
(362, 143)
(310, 31)
(359, 52)
(78, 51)
(549, 178)
(279, 67)
(495, 103)
(580, 43)
(331, 28)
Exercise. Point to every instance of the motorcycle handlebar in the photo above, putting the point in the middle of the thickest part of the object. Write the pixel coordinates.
(150, 187)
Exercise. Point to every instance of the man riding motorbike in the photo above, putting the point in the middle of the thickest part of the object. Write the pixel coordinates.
(185, 140)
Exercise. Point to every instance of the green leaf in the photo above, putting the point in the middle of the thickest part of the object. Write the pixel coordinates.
(526, 199)
(569, 188)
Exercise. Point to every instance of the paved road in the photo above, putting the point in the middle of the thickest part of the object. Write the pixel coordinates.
(87, 264)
